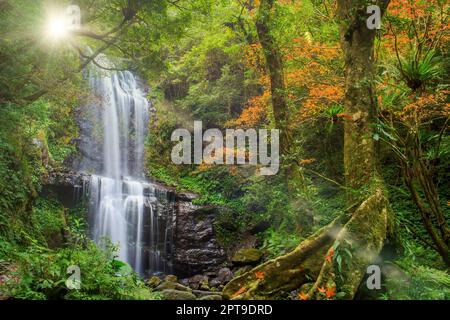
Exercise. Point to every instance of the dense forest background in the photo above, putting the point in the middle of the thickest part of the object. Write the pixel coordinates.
(306, 67)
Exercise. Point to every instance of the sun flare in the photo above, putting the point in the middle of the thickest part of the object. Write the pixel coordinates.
(57, 27)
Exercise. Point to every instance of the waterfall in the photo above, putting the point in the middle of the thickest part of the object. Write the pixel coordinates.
(134, 214)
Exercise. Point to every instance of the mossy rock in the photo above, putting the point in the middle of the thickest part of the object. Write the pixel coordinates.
(247, 256)
(211, 297)
(153, 282)
(171, 278)
(170, 294)
(172, 286)
(204, 284)
(201, 293)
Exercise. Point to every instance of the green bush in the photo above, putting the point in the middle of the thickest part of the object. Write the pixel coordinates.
(42, 273)
(429, 284)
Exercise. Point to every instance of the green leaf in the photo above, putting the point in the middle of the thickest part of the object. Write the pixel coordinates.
(340, 295)
(339, 262)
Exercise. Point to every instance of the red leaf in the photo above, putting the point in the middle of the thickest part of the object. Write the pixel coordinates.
(239, 292)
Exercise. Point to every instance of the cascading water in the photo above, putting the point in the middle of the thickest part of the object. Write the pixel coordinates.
(134, 214)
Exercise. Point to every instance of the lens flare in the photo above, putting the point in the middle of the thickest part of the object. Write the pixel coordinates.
(57, 27)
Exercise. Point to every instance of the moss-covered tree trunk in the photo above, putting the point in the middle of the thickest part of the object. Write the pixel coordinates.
(336, 257)
(357, 42)
(275, 69)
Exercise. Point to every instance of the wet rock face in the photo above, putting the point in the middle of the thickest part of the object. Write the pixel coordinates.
(193, 245)
(89, 145)
(196, 249)
(67, 186)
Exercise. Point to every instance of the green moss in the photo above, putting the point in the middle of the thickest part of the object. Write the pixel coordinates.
(247, 256)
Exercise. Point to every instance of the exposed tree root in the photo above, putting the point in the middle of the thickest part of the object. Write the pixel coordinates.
(358, 245)
(287, 272)
(336, 258)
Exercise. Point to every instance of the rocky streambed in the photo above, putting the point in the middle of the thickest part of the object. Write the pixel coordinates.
(207, 285)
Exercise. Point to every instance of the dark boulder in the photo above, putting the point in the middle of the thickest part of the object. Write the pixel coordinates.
(196, 281)
(196, 249)
(224, 275)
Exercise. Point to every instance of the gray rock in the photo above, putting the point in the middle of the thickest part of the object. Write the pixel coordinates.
(196, 247)
(225, 275)
(214, 283)
(196, 281)
(184, 282)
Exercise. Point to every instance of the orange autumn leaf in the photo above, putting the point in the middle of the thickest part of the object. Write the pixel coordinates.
(254, 112)
(302, 296)
(345, 116)
(329, 255)
(260, 275)
(239, 292)
(307, 161)
(330, 292)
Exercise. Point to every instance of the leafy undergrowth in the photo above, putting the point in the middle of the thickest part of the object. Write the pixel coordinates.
(41, 273)
(32, 270)
(427, 282)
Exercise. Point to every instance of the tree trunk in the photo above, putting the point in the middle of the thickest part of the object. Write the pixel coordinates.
(275, 68)
(418, 175)
(337, 256)
(274, 64)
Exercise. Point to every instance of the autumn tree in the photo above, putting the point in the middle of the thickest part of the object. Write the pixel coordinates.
(415, 115)
(337, 256)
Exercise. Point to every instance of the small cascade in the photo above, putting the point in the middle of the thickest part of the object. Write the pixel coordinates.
(134, 214)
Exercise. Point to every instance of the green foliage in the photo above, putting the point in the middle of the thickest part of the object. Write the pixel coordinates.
(276, 242)
(192, 53)
(27, 136)
(47, 218)
(342, 256)
(419, 71)
(215, 186)
(427, 282)
(206, 78)
(42, 274)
